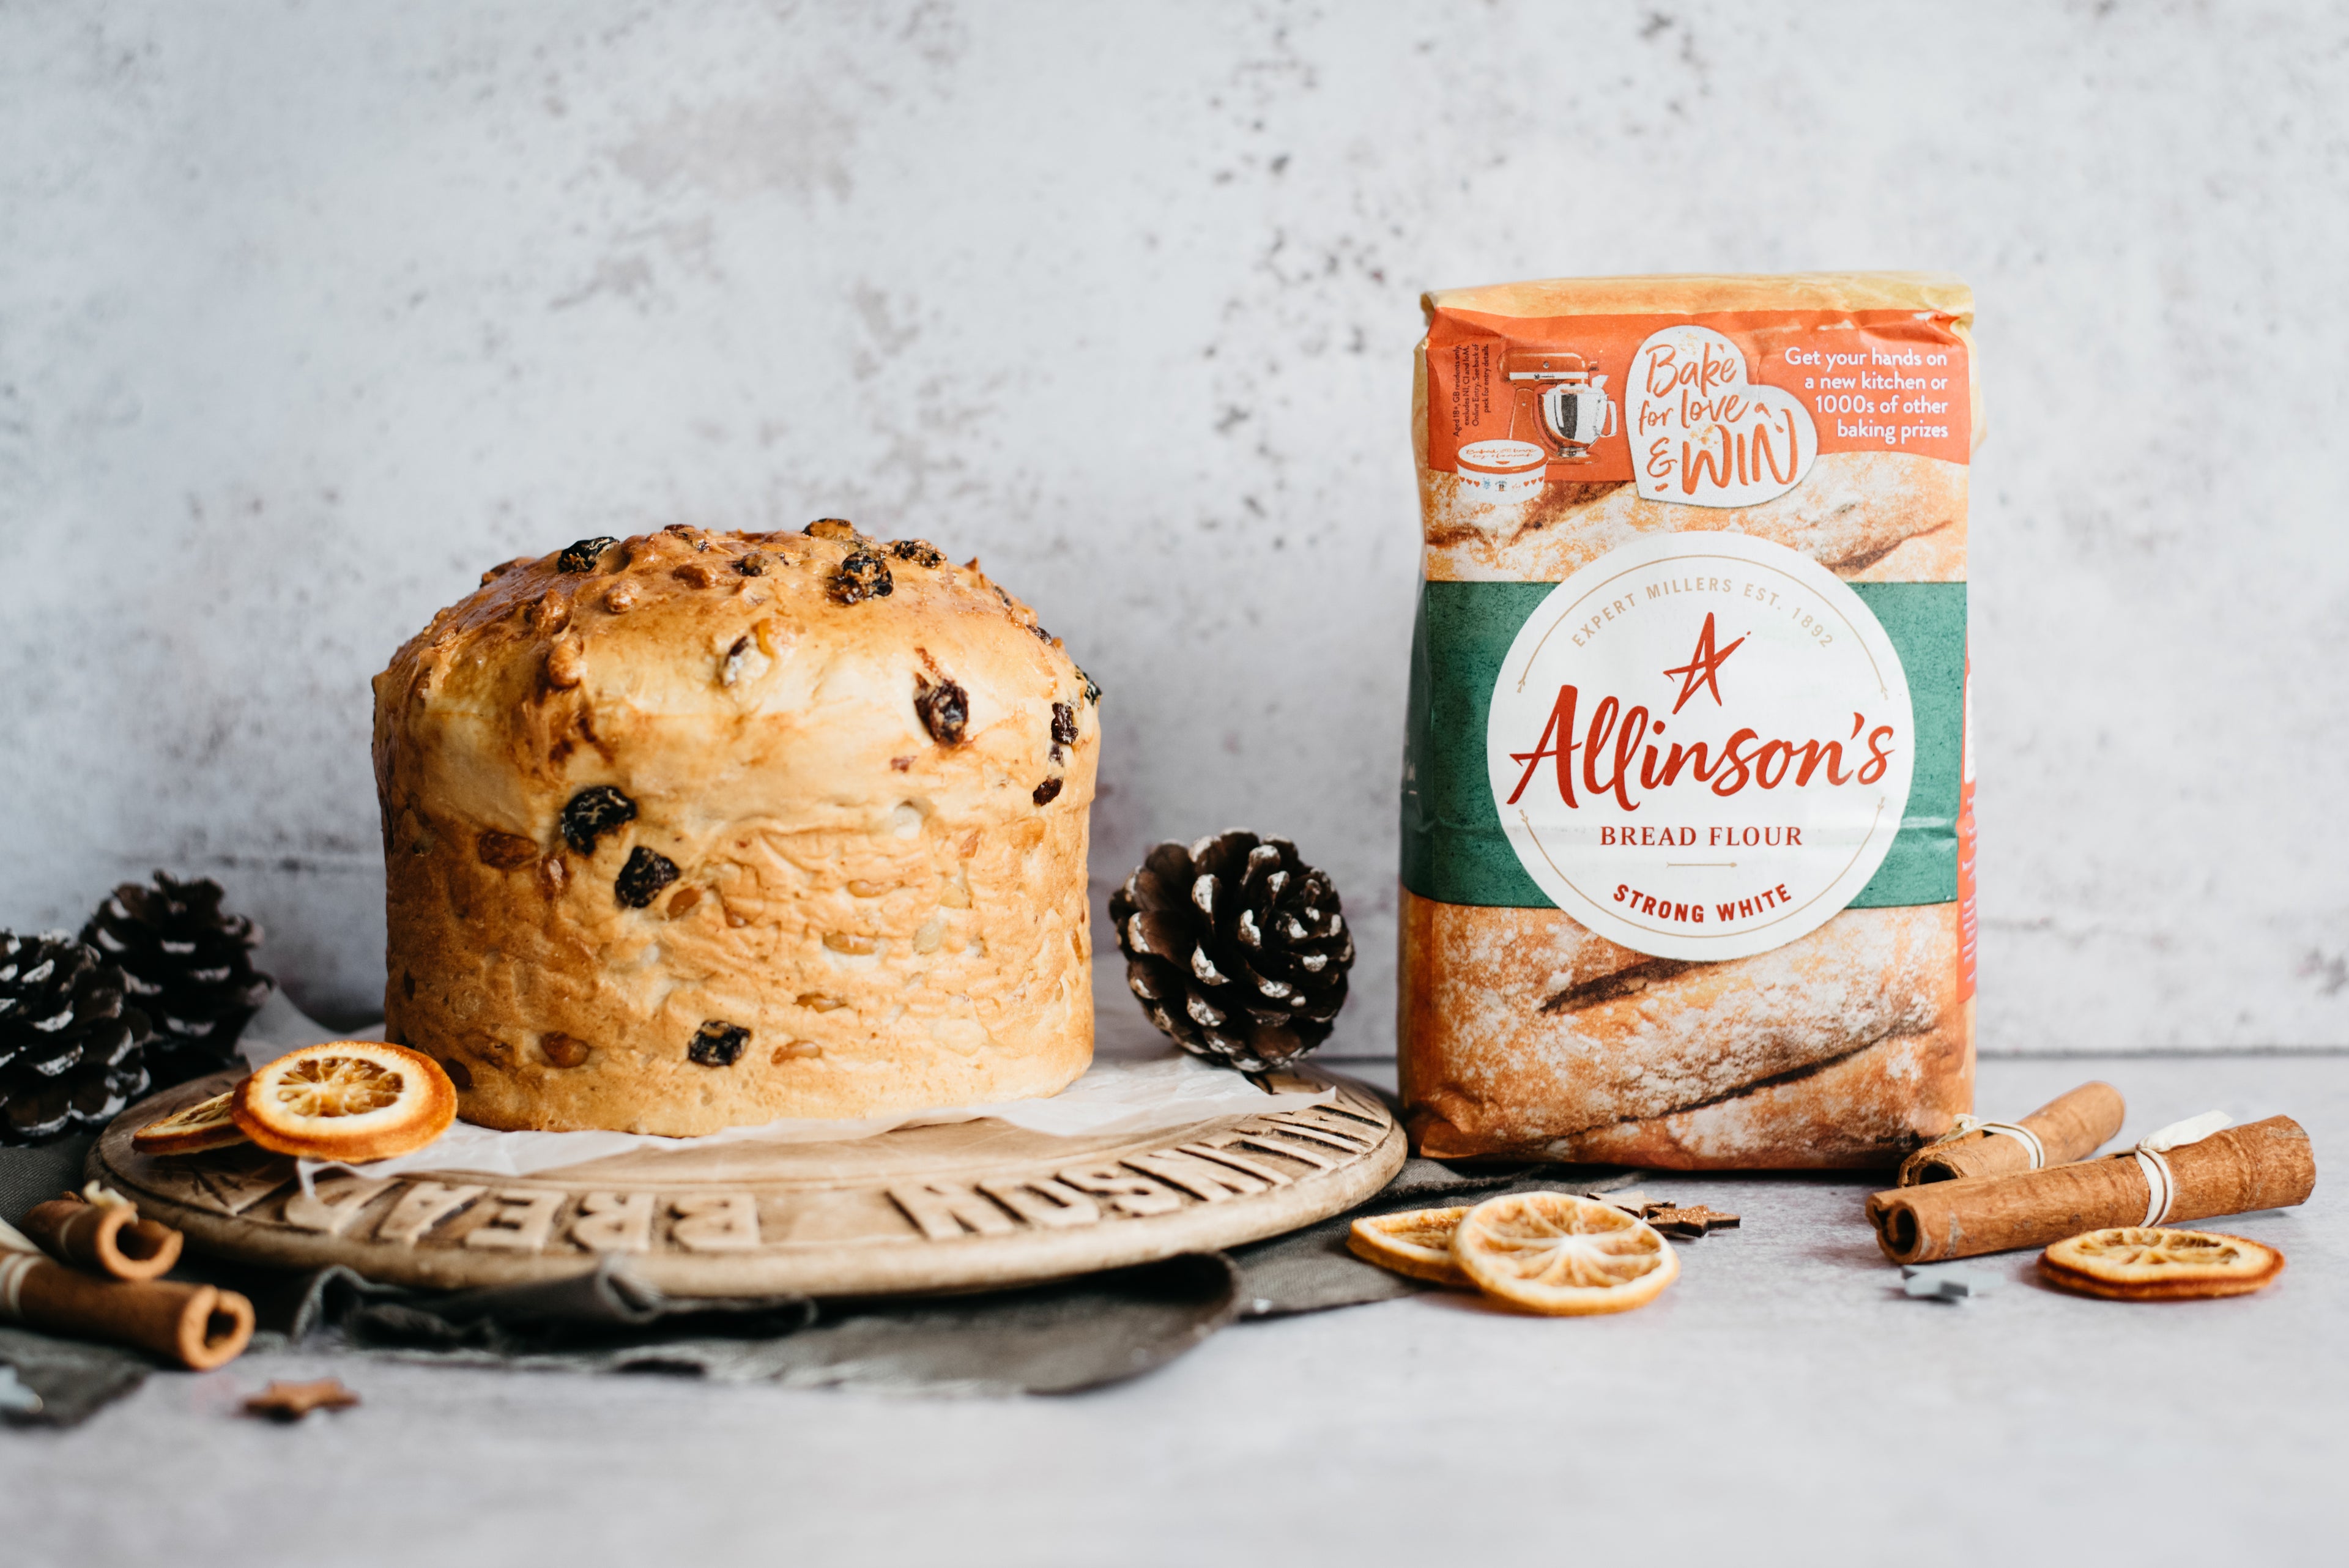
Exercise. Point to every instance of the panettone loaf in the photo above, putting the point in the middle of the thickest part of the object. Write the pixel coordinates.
(697, 830)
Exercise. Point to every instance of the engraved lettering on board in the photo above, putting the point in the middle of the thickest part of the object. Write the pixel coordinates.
(615, 1222)
(1345, 1112)
(716, 1222)
(1325, 1138)
(1221, 1155)
(1207, 1182)
(520, 1221)
(1325, 1124)
(1130, 1194)
(335, 1203)
(1259, 1134)
(943, 1210)
(1045, 1201)
(419, 1209)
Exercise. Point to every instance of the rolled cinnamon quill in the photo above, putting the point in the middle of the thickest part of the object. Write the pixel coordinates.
(105, 1238)
(199, 1326)
(2264, 1165)
(2071, 1126)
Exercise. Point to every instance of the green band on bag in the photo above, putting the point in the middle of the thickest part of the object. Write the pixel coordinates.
(1453, 846)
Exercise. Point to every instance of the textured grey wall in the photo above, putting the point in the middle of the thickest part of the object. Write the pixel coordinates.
(307, 313)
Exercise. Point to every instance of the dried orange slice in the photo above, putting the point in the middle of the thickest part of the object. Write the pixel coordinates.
(2132, 1263)
(190, 1129)
(347, 1099)
(1570, 1257)
(1417, 1242)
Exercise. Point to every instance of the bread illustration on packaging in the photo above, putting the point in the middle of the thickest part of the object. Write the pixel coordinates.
(1687, 830)
(703, 829)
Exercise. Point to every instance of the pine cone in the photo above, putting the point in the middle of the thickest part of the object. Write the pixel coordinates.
(68, 1046)
(1235, 947)
(187, 965)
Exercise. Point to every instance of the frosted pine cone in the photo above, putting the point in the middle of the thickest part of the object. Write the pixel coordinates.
(69, 1047)
(187, 965)
(1236, 947)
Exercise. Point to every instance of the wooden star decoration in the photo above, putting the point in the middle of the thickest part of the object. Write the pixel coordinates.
(1691, 1222)
(292, 1401)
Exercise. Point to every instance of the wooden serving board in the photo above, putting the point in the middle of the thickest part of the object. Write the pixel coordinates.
(972, 1205)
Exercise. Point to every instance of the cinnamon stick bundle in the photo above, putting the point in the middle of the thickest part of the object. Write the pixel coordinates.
(2071, 1126)
(199, 1326)
(2264, 1165)
(105, 1238)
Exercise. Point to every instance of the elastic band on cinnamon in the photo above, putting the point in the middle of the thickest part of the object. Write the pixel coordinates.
(2035, 1150)
(2070, 1126)
(2160, 1180)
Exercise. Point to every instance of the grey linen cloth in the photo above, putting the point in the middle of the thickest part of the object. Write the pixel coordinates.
(35, 1175)
(67, 1380)
(1056, 1338)
(1044, 1339)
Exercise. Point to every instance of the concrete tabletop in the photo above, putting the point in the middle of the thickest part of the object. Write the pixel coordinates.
(1783, 1403)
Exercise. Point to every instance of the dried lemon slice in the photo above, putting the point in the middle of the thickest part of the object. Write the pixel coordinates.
(347, 1099)
(1554, 1252)
(2138, 1265)
(1417, 1242)
(190, 1129)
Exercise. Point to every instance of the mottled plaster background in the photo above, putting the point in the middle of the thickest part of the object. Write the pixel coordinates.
(310, 312)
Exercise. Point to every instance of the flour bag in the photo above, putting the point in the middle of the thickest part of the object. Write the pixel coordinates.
(1687, 816)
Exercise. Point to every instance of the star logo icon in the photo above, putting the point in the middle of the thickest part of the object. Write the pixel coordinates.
(1702, 667)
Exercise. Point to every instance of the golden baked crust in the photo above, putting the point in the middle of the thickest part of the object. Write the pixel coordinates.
(1524, 1033)
(892, 906)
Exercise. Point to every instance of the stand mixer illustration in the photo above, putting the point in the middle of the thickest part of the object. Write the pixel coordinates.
(1558, 400)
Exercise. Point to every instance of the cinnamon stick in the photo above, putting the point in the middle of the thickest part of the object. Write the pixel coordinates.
(2264, 1165)
(199, 1326)
(105, 1238)
(2070, 1126)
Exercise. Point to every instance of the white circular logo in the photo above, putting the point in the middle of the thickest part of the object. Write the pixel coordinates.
(1701, 746)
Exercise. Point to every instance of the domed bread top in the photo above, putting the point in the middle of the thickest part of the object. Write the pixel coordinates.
(700, 828)
(551, 669)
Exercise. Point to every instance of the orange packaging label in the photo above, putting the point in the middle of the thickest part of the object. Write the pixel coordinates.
(1724, 410)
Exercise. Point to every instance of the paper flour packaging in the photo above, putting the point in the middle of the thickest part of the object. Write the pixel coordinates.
(1687, 828)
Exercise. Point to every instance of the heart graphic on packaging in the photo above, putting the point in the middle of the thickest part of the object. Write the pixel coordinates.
(1702, 434)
